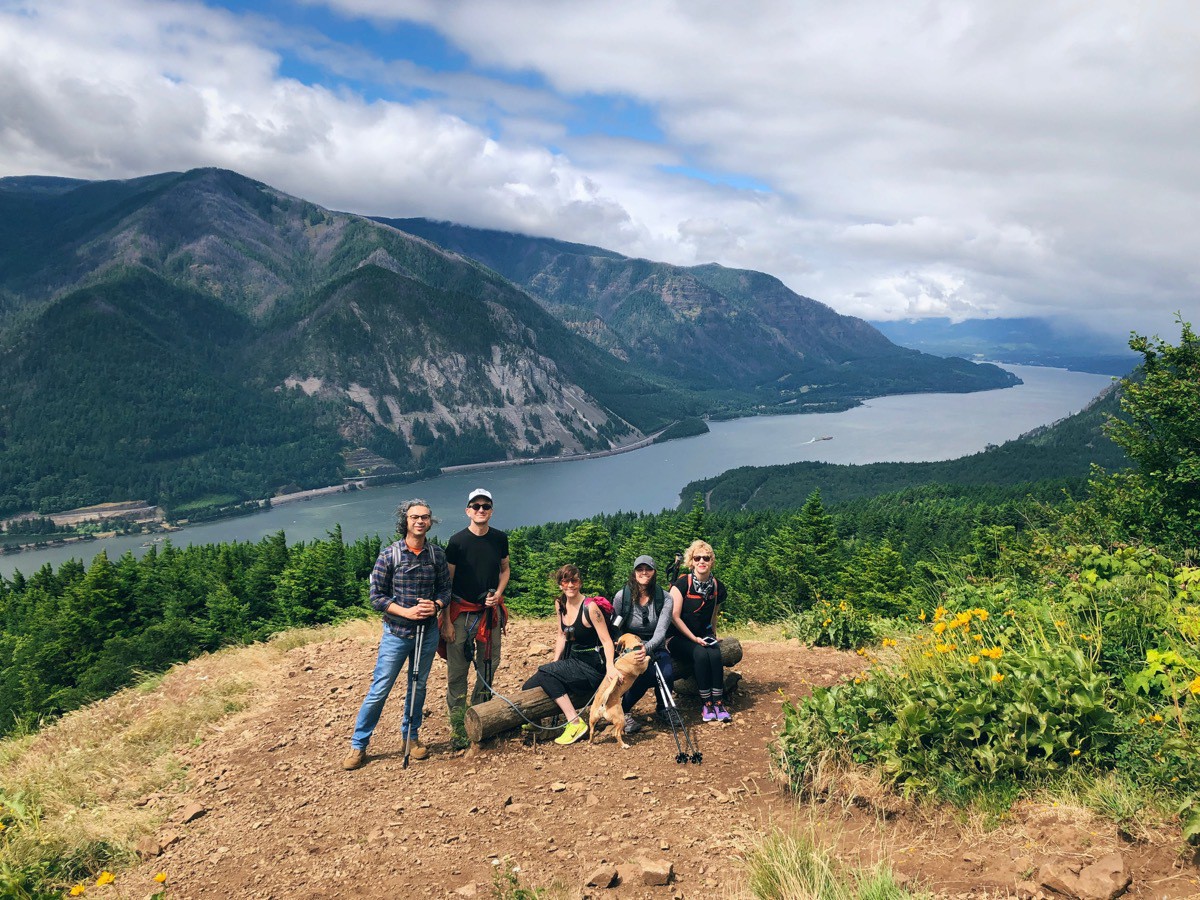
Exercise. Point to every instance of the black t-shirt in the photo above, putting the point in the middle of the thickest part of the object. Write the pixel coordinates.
(697, 611)
(476, 561)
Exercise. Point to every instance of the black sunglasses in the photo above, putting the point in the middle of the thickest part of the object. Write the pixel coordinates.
(479, 506)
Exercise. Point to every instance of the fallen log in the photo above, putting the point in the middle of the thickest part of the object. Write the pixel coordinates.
(488, 719)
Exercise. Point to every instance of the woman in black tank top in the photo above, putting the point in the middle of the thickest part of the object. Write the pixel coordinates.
(583, 653)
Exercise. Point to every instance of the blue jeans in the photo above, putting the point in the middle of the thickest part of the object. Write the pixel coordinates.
(393, 653)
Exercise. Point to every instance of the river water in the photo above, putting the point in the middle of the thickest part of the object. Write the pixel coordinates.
(910, 428)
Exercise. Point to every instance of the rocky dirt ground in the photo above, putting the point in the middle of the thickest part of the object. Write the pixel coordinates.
(271, 814)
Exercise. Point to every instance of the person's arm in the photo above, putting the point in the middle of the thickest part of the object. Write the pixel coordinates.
(601, 626)
(498, 594)
(664, 622)
(381, 581)
(445, 623)
(560, 643)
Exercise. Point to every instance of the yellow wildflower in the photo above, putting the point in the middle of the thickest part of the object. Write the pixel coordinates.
(1010, 613)
(1086, 637)
(891, 642)
(105, 878)
(826, 622)
(160, 877)
(927, 655)
(977, 637)
(1156, 718)
(939, 614)
(78, 890)
(1194, 687)
(992, 652)
(981, 614)
(973, 659)
(944, 648)
(1074, 752)
(1060, 623)
(922, 616)
(997, 678)
(939, 627)
(962, 620)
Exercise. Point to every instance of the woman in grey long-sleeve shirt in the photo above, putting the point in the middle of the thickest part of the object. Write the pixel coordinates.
(644, 609)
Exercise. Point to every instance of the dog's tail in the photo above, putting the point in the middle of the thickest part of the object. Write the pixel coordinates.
(605, 691)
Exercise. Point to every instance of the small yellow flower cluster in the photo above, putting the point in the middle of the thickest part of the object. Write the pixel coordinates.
(998, 677)
(973, 659)
(1157, 717)
(891, 642)
(939, 628)
(77, 891)
(106, 877)
(946, 648)
(1194, 687)
(991, 652)
(826, 622)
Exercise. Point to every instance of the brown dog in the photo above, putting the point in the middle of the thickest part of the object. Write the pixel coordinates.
(607, 705)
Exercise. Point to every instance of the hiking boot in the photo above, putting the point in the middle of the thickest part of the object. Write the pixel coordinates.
(632, 725)
(663, 716)
(722, 713)
(707, 713)
(355, 759)
(416, 751)
(572, 733)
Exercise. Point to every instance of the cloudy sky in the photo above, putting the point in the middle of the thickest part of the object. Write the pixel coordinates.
(891, 159)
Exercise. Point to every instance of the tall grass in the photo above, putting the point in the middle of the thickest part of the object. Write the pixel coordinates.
(789, 866)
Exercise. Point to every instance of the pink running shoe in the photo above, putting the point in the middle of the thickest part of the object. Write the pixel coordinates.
(708, 714)
(722, 713)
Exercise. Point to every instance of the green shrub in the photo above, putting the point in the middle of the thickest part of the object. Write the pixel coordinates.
(828, 624)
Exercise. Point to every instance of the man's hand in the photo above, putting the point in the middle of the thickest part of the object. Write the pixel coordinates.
(424, 609)
(446, 628)
(492, 599)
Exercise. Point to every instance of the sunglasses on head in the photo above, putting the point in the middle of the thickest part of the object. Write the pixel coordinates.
(702, 557)
(478, 506)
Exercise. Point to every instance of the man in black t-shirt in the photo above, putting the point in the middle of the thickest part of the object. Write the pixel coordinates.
(478, 559)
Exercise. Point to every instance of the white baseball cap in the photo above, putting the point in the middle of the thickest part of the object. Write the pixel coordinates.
(478, 492)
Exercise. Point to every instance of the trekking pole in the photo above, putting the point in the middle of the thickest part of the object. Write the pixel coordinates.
(489, 611)
(408, 698)
(687, 750)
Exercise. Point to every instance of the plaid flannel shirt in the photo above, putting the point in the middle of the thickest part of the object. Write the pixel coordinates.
(401, 577)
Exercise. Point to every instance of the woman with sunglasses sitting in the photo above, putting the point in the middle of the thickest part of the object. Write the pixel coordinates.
(697, 600)
(583, 651)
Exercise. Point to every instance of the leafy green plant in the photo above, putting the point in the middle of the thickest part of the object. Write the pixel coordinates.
(828, 624)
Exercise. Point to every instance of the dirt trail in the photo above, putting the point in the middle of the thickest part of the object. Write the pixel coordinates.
(282, 820)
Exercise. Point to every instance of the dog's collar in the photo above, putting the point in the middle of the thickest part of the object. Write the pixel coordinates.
(630, 650)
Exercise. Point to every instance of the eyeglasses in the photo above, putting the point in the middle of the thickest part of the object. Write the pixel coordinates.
(569, 581)
(700, 557)
(644, 570)
(427, 517)
(478, 507)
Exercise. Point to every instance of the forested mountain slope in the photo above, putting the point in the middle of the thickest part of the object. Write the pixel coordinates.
(711, 328)
(230, 339)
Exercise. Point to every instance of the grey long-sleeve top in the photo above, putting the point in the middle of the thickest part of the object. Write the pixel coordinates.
(642, 622)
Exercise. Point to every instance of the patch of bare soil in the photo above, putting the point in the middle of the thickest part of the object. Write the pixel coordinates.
(273, 815)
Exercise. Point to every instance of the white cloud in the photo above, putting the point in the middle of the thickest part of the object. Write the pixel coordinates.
(952, 157)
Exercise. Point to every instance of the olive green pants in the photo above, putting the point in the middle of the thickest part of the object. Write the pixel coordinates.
(458, 669)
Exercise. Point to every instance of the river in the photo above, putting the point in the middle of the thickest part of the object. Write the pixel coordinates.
(909, 428)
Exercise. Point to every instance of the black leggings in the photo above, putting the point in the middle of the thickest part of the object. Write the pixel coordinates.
(707, 668)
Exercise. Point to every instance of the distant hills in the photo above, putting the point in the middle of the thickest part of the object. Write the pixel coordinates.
(198, 339)
(1028, 341)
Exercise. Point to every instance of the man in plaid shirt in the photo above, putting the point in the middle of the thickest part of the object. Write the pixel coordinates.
(410, 585)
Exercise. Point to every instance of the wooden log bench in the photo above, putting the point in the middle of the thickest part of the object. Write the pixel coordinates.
(488, 719)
